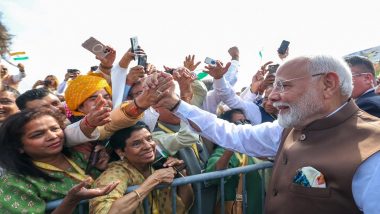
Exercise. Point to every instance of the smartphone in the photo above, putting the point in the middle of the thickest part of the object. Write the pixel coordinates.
(283, 47)
(273, 68)
(94, 68)
(142, 60)
(134, 45)
(96, 47)
(210, 61)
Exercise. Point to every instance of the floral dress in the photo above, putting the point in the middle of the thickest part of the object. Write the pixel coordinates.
(25, 194)
(129, 176)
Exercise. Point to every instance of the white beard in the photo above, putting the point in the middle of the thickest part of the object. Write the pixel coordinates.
(306, 105)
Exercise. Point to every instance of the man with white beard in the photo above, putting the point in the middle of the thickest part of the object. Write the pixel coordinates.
(325, 135)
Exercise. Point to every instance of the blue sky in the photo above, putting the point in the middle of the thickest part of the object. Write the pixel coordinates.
(51, 32)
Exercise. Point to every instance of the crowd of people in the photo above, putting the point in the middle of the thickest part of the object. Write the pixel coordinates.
(95, 134)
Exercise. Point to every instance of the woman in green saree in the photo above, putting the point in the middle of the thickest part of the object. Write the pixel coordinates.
(38, 168)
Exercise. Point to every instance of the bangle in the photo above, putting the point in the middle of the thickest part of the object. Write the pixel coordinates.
(87, 123)
(138, 194)
(175, 106)
(105, 67)
(134, 101)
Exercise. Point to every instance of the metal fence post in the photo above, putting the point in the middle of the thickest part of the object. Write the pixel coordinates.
(244, 194)
(222, 195)
(174, 200)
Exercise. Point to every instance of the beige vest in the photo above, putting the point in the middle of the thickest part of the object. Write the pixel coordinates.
(335, 146)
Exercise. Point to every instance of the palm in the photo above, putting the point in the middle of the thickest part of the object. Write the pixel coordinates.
(190, 64)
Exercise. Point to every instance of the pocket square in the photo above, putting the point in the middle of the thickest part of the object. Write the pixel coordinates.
(309, 177)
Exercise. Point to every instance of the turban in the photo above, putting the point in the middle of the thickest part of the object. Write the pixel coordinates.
(82, 88)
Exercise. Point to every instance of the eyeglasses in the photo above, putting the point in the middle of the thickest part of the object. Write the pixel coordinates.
(242, 122)
(359, 74)
(280, 85)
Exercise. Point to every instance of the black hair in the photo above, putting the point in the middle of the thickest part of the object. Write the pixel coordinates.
(209, 84)
(119, 138)
(363, 62)
(11, 90)
(11, 133)
(227, 115)
(30, 95)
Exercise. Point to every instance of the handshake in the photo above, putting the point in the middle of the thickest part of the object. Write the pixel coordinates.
(161, 86)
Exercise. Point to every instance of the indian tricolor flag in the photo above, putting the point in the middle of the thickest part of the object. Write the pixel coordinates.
(18, 56)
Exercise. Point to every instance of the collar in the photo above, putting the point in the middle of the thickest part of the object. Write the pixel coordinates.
(369, 90)
(337, 117)
(337, 109)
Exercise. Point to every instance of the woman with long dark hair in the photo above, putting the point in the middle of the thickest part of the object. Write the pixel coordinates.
(38, 168)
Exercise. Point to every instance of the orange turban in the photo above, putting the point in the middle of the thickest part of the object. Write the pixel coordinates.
(82, 88)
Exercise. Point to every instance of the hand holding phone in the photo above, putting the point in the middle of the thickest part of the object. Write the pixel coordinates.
(210, 61)
(96, 47)
(134, 46)
(283, 47)
(273, 68)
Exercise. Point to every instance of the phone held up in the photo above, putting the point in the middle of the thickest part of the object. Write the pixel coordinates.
(141, 59)
(273, 68)
(134, 46)
(96, 47)
(283, 47)
(210, 61)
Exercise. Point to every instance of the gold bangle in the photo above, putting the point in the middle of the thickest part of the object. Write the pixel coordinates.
(138, 194)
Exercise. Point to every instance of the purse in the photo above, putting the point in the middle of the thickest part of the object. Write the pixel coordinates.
(236, 206)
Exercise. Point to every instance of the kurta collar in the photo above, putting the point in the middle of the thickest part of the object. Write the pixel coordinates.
(337, 118)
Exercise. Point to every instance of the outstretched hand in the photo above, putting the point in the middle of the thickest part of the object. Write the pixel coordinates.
(79, 192)
(155, 87)
(108, 60)
(184, 77)
(218, 70)
(234, 53)
(135, 74)
(258, 78)
(129, 56)
(190, 64)
(100, 114)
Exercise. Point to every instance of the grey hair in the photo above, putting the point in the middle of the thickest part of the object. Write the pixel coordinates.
(325, 63)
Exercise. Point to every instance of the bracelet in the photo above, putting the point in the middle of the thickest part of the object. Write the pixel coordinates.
(138, 194)
(134, 102)
(87, 123)
(175, 106)
(105, 67)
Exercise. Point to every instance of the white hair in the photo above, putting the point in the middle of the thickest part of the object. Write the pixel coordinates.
(325, 63)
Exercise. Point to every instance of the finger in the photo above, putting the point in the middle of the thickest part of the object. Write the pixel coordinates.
(112, 186)
(165, 86)
(103, 116)
(219, 64)
(263, 67)
(192, 59)
(101, 112)
(99, 102)
(198, 63)
(225, 69)
(78, 187)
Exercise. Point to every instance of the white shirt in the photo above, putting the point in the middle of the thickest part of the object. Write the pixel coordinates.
(118, 78)
(231, 74)
(233, 101)
(75, 136)
(264, 140)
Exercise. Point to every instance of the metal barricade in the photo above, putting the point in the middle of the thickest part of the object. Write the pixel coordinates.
(222, 174)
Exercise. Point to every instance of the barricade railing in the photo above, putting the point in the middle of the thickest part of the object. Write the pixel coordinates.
(222, 174)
